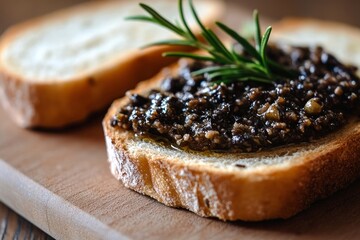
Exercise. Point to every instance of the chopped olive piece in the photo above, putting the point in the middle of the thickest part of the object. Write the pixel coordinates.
(313, 106)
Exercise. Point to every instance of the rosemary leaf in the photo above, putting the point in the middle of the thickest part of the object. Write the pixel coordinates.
(212, 69)
(161, 20)
(141, 18)
(257, 30)
(188, 55)
(174, 42)
(201, 25)
(183, 20)
(243, 42)
(220, 58)
(220, 45)
(263, 44)
(240, 58)
(207, 34)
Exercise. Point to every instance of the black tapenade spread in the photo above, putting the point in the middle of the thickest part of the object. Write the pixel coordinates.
(248, 116)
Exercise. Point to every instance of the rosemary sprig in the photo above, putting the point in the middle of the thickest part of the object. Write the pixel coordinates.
(231, 66)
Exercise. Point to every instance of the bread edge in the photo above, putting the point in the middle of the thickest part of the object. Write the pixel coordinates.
(290, 23)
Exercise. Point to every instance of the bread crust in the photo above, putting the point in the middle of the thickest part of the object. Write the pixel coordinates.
(292, 23)
(280, 190)
(57, 103)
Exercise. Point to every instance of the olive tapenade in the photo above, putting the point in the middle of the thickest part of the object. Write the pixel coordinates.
(195, 113)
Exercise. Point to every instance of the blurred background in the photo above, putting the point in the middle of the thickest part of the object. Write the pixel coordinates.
(344, 11)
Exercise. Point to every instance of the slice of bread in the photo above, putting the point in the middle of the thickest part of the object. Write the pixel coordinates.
(337, 38)
(57, 69)
(275, 183)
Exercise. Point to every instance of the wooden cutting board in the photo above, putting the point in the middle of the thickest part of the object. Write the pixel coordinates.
(60, 181)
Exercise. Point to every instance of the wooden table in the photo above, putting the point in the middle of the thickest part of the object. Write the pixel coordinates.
(13, 226)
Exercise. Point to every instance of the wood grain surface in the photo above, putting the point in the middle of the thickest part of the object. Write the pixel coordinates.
(13, 226)
(60, 181)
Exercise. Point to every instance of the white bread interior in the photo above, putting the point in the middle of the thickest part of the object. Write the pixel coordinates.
(276, 183)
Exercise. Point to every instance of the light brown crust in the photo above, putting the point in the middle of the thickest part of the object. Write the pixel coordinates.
(255, 193)
(54, 103)
(293, 23)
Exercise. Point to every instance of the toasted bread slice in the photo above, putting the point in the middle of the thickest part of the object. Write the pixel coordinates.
(275, 183)
(337, 38)
(57, 69)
